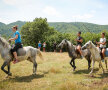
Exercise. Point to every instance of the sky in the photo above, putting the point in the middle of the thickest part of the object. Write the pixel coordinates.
(92, 11)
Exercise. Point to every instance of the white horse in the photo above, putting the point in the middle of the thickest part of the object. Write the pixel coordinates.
(95, 51)
(25, 53)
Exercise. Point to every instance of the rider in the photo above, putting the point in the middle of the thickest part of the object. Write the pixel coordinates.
(79, 43)
(102, 44)
(17, 39)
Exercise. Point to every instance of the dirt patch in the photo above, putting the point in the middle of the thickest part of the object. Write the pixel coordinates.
(54, 70)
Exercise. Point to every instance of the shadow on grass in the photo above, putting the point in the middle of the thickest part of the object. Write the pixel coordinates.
(24, 78)
(105, 75)
(85, 71)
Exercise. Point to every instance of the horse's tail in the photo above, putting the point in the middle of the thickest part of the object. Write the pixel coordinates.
(40, 54)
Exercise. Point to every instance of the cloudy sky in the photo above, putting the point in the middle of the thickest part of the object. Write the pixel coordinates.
(93, 11)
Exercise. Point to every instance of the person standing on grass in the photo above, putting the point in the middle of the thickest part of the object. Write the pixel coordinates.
(44, 46)
(39, 45)
(54, 46)
(60, 50)
(17, 39)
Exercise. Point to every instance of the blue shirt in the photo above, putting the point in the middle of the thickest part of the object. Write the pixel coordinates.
(39, 44)
(18, 40)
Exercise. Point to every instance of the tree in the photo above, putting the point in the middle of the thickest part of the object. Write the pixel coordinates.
(38, 30)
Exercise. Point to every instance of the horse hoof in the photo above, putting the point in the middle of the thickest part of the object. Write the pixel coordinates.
(73, 69)
(90, 73)
(34, 74)
(10, 74)
(103, 72)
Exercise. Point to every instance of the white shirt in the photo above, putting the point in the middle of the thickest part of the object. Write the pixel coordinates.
(102, 40)
(44, 45)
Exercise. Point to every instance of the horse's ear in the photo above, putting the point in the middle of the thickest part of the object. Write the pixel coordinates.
(65, 40)
(91, 42)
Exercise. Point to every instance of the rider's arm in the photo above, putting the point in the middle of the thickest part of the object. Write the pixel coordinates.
(102, 43)
(13, 38)
(81, 40)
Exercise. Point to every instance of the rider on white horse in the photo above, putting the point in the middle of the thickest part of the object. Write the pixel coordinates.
(17, 39)
(79, 43)
(102, 44)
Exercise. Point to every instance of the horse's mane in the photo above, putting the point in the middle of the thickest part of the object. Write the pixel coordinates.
(72, 46)
(70, 43)
(94, 46)
(4, 42)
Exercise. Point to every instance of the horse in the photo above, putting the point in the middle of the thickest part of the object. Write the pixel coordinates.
(26, 53)
(95, 52)
(73, 54)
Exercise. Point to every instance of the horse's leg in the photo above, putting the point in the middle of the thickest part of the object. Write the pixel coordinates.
(74, 64)
(9, 73)
(92, 67)
(71, 63)
(3, 66)
(106, 63)
(89, 62)
(34, 66)
(101, 66)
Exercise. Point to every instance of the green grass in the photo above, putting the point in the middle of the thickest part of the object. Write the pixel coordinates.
(54, 73)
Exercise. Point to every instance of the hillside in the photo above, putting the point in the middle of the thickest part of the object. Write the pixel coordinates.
(5, 29)
(78, 26)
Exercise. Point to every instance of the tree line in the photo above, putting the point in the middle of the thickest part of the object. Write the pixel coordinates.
(39, 30)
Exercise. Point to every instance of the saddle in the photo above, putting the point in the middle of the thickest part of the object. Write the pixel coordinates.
(20, 52)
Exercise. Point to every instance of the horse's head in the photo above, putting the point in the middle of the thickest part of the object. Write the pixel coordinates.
(62, 44)
(88, 45)
(4, 43)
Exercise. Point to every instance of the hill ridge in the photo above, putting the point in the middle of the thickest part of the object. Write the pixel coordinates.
(64, 27)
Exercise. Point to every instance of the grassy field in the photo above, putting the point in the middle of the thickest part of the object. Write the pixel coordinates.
(54, 73)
